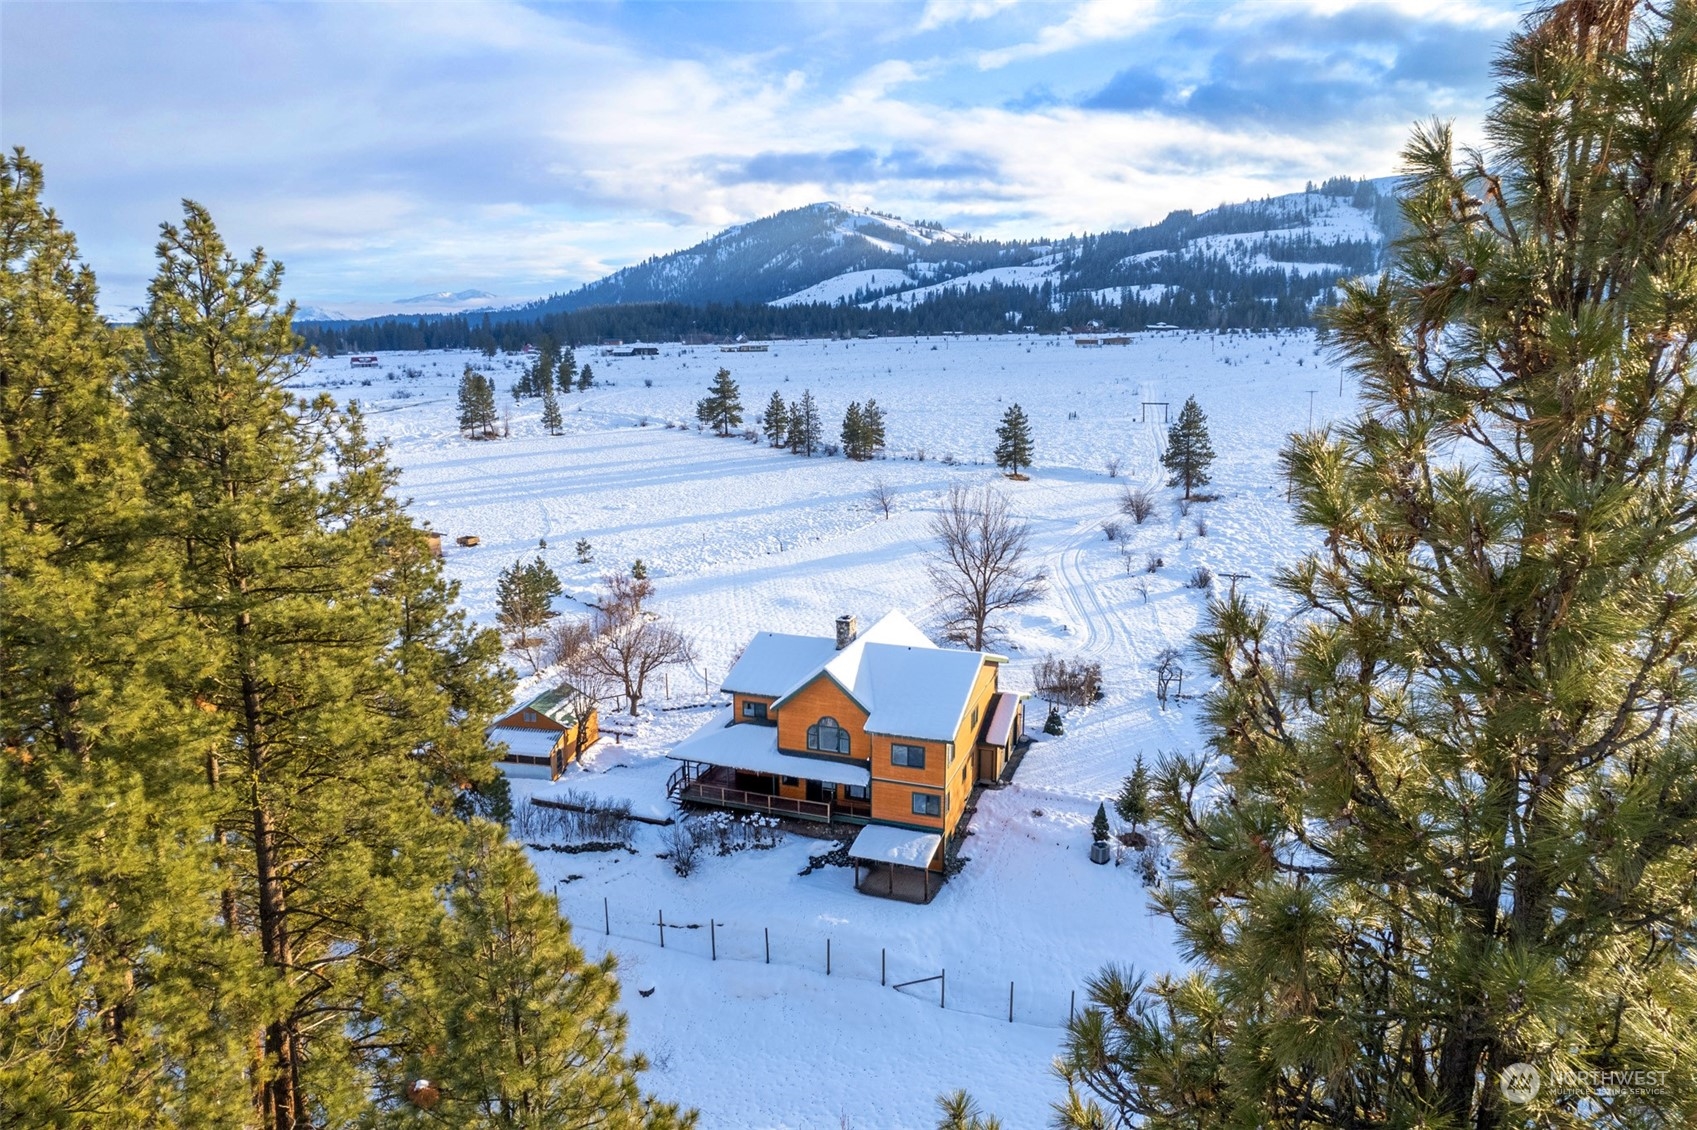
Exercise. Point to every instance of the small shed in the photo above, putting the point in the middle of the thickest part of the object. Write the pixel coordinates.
(546, 734)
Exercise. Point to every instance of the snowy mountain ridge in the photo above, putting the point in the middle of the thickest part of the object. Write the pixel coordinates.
(1291, 249)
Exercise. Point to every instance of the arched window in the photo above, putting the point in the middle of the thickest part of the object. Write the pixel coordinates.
(827, 737)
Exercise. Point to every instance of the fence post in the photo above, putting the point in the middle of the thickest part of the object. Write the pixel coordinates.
(662, 929)
(827, 957)
(767, 930)
(1010, 1002)
(606, 918)
(943, 989)
(883, 966)
(713, 937)
(1072, 1002)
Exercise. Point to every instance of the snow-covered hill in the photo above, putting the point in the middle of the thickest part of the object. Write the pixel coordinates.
(1286, 250)
(769, 259)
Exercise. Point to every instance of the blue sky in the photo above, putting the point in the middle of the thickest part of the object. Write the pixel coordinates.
(386, 150)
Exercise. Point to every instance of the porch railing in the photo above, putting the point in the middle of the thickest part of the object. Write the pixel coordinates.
(703, 792)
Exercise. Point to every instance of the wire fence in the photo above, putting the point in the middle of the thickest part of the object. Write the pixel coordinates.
(1033, 996)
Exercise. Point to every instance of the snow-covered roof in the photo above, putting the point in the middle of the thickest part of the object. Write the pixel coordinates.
(753, 748)
(884, 843)
(771, 661)
(1002, 712)
(908, 686)
(525, 743)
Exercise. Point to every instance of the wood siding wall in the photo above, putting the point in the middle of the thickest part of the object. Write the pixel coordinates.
(516, 721)
(822, 698)
(738, 699)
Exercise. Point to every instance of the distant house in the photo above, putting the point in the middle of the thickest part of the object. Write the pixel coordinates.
(885, 730)
(363, 361)
(547, 733)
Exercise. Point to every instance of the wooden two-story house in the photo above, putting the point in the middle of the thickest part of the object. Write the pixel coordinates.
(883, 729)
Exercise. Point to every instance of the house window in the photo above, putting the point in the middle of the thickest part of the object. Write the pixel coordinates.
(826, 736)
(927, 804)
(975, 716)
(530, 716)
(911, 756)
(754, 710)
(857, 792)
(792, 780)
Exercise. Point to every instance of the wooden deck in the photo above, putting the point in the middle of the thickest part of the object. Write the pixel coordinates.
(709, 784)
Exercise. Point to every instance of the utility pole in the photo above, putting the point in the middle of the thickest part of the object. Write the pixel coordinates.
(1310, 409)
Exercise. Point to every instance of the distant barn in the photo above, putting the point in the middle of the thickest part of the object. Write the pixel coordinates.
(363, 361)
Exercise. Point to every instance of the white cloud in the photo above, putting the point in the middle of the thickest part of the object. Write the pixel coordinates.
(941, 13)
(381, 151)
(1093, 21)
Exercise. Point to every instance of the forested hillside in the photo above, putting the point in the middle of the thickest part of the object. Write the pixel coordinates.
(825, 269)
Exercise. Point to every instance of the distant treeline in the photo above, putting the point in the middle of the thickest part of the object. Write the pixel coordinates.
(1245, 300)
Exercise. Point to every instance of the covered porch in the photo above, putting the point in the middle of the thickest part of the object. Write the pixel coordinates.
(738, 765)
(895, 863)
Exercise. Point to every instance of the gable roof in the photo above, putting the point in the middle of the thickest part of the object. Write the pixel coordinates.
(554, 705)
(908, 686)
(768, 665)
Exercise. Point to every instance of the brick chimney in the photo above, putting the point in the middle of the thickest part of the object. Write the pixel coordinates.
(847, 629)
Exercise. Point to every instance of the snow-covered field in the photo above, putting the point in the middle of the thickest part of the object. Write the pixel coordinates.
(740, 538)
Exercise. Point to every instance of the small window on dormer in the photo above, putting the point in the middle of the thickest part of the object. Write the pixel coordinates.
(530, 716)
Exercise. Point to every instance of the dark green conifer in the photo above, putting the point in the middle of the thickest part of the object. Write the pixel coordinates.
(117, 1007)
(522, 1031)
(1013, 440)
(568, 369)
(1189, 451)
(854, 432)
(775, 422)
(551, 418)
(721, 408)
(333, 765)
(1447, 818)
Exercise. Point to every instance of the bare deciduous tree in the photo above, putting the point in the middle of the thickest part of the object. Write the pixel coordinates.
(883, 495)
(979, 563)
(620, 646)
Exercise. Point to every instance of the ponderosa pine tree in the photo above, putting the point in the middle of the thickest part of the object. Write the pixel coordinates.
(477, 411)
(108, 1015)
(872, 420)
(805, 432)
(1013, 440)
(775, 421)
(854, 431)
(721, 408)
(524, 598)
(551, 418)
(585, 378)
(333, 766)
(1189, 451)
(1449, 823)
(568, 369)
(523, 1033)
